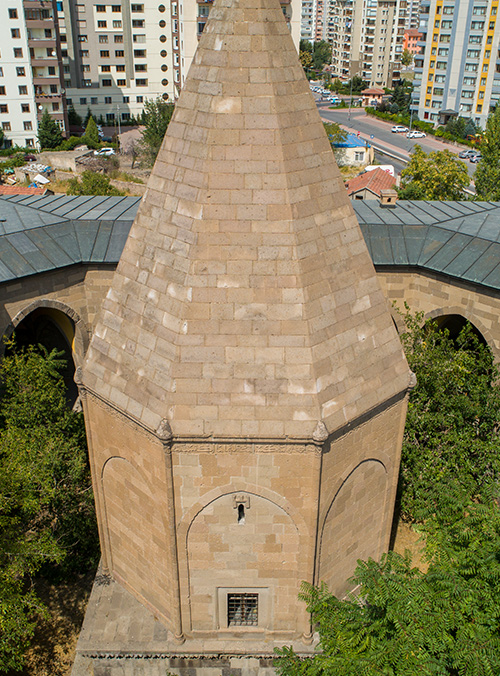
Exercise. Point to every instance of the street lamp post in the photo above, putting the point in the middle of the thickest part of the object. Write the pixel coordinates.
(119, 127)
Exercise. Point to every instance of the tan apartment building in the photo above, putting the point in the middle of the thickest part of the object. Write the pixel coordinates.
(367, 39)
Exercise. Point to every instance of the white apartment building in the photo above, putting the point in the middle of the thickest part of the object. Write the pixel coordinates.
(367, 39)
(458, 71)
(30, 69)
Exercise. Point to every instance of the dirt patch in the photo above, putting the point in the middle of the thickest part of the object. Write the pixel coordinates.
(408, 538)
(53, 647)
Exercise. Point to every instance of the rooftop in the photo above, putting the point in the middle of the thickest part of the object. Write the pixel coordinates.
(458, 239)
(375, 181)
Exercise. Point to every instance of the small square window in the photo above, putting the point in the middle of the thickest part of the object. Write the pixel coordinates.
(116, 8)
(4, 108)
(108, 100)
(102, 24)
(104, 54)
(20, 71)
(83, 101)
(242, 610)
(100, 8)
(15, 32)
(2, 90)
(12, 13)
(23, 90)
(103, 39)
(93, 100)
(6, 126)
(118, 38)
(106, 83)
(25, 107)
(121, 83)
(138, 99)
(28, 126)
(18, 53)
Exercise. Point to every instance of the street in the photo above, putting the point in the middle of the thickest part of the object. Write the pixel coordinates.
(378, 133)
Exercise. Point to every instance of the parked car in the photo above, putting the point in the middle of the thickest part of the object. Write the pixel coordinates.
(104, 152)
(466, 154)
(399, 129)
(416, 133)
(476, 158)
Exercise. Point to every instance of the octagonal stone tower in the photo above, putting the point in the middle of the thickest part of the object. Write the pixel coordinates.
(245, 389)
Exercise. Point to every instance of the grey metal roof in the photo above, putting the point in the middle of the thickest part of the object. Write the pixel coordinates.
(38, 235)
(457, 239)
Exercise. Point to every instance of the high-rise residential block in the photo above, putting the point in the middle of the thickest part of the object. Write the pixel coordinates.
(31, 77)
(457, 72)
(367, 39)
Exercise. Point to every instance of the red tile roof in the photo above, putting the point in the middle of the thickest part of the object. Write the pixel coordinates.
(375, 181)
(373, 90)
(21, 190)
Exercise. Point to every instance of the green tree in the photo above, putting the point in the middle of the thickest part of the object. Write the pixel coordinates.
(49, 133)
(438, 175)
(451, 432)
(46, 506)
(406, 57)
(401, 97)
(91, 136)
(92, 184)
(2, 136)
(321, 54)
(356, 85)
(156, 117)
(487, 174)
(336, 135)
(73, 118)
(88, 115)
(456, 127)
(306, 60)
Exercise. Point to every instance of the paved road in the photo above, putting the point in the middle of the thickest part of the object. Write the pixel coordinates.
(394, 144)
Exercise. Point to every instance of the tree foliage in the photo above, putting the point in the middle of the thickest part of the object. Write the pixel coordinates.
(444, 621)
(487, 174)
(73, 118)
(49, 133)
(438, 175)
(401, 97)
(156, 117)
(92, 184)
(91, 136)
(406, 57)
(46, 506)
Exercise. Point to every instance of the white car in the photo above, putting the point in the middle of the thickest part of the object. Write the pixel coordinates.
(416, 133)
(104, 152)
(399, 129)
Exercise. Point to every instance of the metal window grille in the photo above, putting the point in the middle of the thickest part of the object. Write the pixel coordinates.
(242, 610)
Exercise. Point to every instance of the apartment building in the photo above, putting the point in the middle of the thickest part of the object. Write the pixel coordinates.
(457, 72)
(367, 39)
(31, 73)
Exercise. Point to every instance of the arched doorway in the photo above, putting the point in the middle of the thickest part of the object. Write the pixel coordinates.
(52, 325)
(454, 323)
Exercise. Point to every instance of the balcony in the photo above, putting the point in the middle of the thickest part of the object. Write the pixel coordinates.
(42, 42)
(41, 61)
(40, 23)
(45, 79)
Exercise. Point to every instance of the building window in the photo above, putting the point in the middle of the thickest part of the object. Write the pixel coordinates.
(120, 68)
(6, 126)
(4, 108)
(118, 38)
(108, 100)
(141, 83)
(15, 32)
(87, 83)
(117, 24)
(53, 89)
(137, 8)
(23, 90)
(110, 117)
(80, 8)
(102, 24)
(83, 102)
(18, 53)
(479, 10)
(106, 83)
(119, 53)
(30, 143)
(139, 53)
(103, 39)
(1, 71)
(138, 99)
(116, 8)
(85, 68)
(93, 101)
(140, 67)
(2, 90)
(104, 53)
(83, 38)
(126, 99)
(138, 23)
(25, 107)
(479, 109)
(100, 8)
(142, 38)
(125, 116)
(161, 8)
(28, 126)
(242, 610)
(20, 71)
(121, 83)
(477, 25)
(105, 69)
(84, 53)
(12, 13)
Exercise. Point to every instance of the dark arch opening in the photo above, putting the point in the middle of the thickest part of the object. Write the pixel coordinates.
(53, 329)
(454, 324)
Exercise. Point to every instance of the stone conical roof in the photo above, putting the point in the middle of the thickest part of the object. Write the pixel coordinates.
(245, 303)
